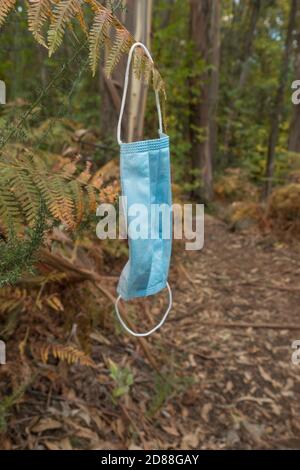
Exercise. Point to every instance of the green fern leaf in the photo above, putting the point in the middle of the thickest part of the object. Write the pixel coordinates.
(26, 193)
(10, 216)
(77, 195)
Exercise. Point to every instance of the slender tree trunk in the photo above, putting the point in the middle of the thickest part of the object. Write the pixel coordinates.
(279, 99)
(141, 22)
(249, 41)
(294, 136)
(255, 7)
(110, 91)
(165, 16)
(215, 75)
(137, 17)
(204, 31)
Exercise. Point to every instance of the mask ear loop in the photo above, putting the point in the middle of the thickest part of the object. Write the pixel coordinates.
(126, 82)
(162, 321)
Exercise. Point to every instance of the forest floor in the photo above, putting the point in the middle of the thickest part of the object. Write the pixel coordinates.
(223, 376)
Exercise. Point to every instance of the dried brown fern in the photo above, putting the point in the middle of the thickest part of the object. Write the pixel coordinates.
(106, 31)
(98, 36)
(121, 44)
(67, 194)
(63, 12)
(5, 7)
(66, 353)
(11, 299)
(38, 13)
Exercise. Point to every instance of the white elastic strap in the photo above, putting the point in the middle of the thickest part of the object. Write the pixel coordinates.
(162, 321)
(126, 82)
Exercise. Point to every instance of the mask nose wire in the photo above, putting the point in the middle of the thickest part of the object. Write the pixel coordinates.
(126, 82)
(162, 321)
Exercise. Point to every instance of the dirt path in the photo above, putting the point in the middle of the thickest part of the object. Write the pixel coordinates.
(218, 387)
(247, 390)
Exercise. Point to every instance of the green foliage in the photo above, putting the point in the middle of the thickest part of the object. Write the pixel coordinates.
(171, 33)
(66, 194)
(8, 402)
(18, 255)
(165, 388)
(123, 379)
(244, 111)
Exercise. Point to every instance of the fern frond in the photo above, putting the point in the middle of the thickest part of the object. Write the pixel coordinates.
(85, 175)
(27, 181)
(53, 194)
(70, 167)
(5, 7)
(92, 198)
(11, 299)
(78, 198)
(98, 36)
(38, 12)
(66, 353)
(81, 20)
(65, 202)
(10, 215)
(158, 83)
(106, 30)
(142, 66)
(19, 255)
(26, 193)
(63, 13)
(122, 43)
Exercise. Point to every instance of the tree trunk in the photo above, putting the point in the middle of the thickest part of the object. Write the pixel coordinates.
(204, 31)
(255, 7)
(215, 75)
(294, 136)
(137, 17)
(110, 92)
(140, 18)
(249, 40)
(279, 99)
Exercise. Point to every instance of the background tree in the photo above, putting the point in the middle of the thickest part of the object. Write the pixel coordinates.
(204, 31)
(59, 158)
(294, 135)
(279, 99)
(137, 17)
(249, 12)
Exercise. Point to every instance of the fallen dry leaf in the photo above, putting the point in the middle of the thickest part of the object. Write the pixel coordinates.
(46, 424)
(206, 409)
(172, 430)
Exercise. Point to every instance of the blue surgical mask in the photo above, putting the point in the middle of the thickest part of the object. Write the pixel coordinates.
(145, 181)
